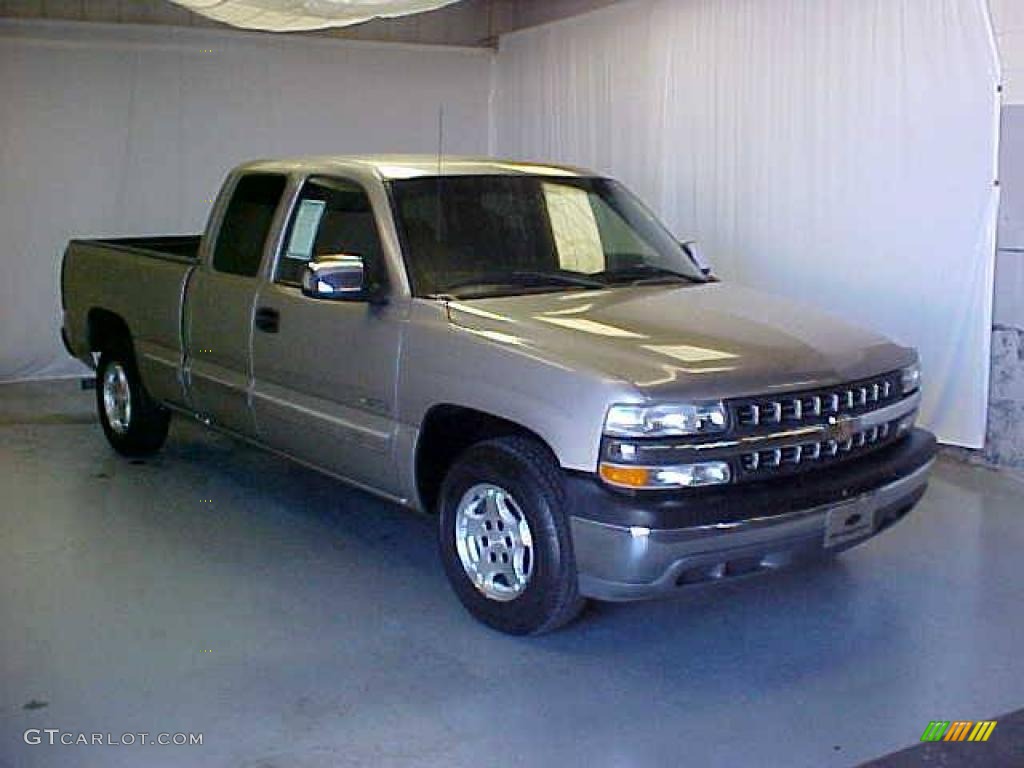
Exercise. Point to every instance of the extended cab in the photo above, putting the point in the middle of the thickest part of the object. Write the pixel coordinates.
(524, 351)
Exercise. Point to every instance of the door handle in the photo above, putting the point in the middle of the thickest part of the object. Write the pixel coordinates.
(268, 320)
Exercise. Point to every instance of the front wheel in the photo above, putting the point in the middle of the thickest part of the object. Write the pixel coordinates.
(135, 425)
(504, 537)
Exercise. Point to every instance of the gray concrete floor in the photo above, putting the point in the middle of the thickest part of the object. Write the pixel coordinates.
(295, 622)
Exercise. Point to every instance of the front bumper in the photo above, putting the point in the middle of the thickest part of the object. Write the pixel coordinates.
(637, 546)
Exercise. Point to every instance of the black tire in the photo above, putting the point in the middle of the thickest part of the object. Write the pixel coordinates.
(527, 471)
(147, 422)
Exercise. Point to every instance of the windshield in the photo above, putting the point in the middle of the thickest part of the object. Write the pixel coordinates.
(497, 235)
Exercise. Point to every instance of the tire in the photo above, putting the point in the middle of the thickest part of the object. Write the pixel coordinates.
(519, 476)
(141, 428)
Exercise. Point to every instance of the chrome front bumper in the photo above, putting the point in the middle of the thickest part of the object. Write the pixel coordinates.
(617, 562)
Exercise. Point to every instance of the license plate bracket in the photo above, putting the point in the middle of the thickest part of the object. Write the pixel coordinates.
(847, 522)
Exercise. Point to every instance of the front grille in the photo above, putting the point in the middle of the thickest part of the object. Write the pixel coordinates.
(768, 415)
(812, 407)
(816, 452)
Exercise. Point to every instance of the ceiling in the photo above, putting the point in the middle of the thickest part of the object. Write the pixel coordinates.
(469, 22)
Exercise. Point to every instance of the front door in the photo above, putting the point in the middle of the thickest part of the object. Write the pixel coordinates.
(324, 372)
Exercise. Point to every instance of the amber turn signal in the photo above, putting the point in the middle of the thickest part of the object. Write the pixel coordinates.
(665, 477)
(627, 477)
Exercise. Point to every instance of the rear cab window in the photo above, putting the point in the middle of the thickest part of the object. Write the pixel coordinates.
(247, 222)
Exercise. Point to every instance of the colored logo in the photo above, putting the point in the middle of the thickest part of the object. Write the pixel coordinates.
(958, 730)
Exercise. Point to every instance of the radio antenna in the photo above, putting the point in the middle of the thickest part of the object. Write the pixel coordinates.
(440, 136)
(438, 222)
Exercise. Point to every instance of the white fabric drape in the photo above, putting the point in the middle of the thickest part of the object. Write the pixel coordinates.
(840, 152)
(116, 131)
(837, 151)
(295, 15)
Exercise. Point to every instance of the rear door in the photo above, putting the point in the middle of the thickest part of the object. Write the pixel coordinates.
(219, 308)
(325, 371)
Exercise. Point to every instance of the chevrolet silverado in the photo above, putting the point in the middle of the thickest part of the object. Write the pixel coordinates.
(520, 349)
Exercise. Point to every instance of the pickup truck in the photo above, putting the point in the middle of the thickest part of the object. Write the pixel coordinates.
(520, 349)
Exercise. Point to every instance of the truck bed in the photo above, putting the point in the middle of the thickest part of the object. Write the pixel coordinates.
(174, 247)
(139, 282)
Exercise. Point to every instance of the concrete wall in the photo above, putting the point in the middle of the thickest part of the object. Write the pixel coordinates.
(1005, 439)
(1008, 19)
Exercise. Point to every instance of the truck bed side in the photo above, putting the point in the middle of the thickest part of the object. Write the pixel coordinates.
(133, 284)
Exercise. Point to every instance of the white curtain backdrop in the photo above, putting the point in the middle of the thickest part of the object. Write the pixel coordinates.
(840, 152)
(119, 130)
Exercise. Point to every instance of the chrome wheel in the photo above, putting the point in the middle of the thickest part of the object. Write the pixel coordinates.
(117, 400)
(494, 542)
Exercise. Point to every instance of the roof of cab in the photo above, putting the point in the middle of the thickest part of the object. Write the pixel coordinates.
(389, 167)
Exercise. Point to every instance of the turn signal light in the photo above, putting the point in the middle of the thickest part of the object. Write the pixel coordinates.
(627, 477)
(665, 477)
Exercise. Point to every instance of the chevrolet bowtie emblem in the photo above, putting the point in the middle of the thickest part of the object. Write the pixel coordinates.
(841, 430)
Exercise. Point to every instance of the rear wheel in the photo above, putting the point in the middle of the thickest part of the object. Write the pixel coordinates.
(135, 424)
(504, 537)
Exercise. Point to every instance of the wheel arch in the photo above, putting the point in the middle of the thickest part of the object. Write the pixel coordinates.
(446, 432)
(107, 331)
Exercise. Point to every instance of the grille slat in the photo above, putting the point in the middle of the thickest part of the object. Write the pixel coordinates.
(805, 407)
(804, 453)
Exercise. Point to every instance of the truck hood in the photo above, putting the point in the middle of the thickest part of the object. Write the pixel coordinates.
(709, 340)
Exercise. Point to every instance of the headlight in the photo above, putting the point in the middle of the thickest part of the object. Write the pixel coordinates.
(623, 464)
(910, 378)
(665, 420)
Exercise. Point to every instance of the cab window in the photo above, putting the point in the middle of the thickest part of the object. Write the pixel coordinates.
(246, 223)
(332, 217)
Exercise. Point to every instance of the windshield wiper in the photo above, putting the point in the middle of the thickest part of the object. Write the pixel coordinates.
(645, 274)
(526, 279)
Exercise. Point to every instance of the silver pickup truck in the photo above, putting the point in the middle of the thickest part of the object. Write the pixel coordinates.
(522, 350)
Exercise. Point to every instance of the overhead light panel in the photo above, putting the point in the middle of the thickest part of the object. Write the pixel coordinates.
(301, 15)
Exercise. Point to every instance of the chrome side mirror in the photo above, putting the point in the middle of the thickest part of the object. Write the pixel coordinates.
(341, 277)
(696, 254)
